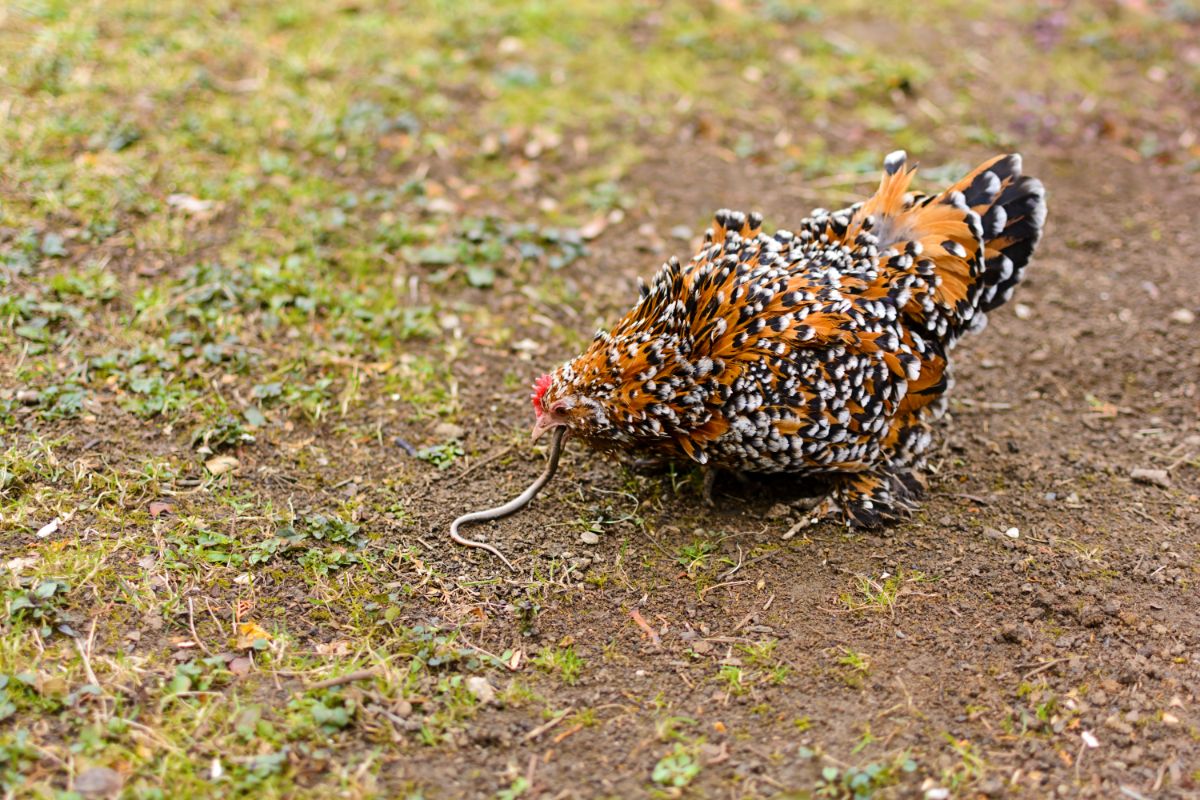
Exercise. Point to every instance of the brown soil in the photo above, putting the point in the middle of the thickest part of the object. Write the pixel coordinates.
(1085, 620)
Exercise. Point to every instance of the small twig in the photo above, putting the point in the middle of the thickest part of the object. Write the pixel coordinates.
(540, 729)
(150, 733)
(530, 770)
(192, 628)
(708, 589)
(984, 404)
(654, 542)
(1133, 793)
(729, 573)
(741, 624)
(483, 652)
(568, 732)
(349, 677)
(1180, 460)
(1158, 780)
(637, 617)
(973, 499)
(85, 655)
(86, 581)
(1044, 666)
(721, 756)
(215, 618)
(484, 462)
(799, 526)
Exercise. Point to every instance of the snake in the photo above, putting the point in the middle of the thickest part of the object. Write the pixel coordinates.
(514, 505)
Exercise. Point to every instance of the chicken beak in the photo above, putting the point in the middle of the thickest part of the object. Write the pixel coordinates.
(545, 422)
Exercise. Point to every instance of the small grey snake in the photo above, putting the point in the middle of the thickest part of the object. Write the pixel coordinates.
(514, 505)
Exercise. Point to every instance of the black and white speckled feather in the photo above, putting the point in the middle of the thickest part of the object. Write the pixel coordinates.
(817, 350)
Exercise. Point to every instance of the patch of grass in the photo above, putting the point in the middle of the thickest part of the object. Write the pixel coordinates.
(676, 769)
(855, 667)
(695, 556)
(443, 455)
(562, 661)
(883, 594)
(732, 679)
(864, 782)
(969, 766)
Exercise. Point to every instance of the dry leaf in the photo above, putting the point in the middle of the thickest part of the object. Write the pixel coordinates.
(158, 507)
(188, 204)
(17, 565)
(249, 633)
(219, 465)
(590, 230)
(48, 528)
(98, 782)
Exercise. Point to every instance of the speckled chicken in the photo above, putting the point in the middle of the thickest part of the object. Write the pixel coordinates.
(819, 351)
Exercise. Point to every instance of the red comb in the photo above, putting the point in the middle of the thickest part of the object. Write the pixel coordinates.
(539, 388)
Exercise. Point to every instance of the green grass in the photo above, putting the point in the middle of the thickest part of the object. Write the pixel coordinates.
(883, 594)
(288, 236)
(561, 661)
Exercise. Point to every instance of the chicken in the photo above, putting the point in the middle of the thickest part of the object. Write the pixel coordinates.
(819, 352)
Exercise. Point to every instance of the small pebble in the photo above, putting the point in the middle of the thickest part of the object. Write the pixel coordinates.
(448, 430)
(1184, 316)
(1013, 533)
(1154, 477)
(483, 691)
(589, 537)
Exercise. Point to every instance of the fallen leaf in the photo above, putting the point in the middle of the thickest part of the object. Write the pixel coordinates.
(158, 508)
(219, 465)
(98, 782)
(338, 647)
(240, 666)
(250, 635)
(590, 230)
(48, 528)
(189, 204)
(442, 205)
(17, 565)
